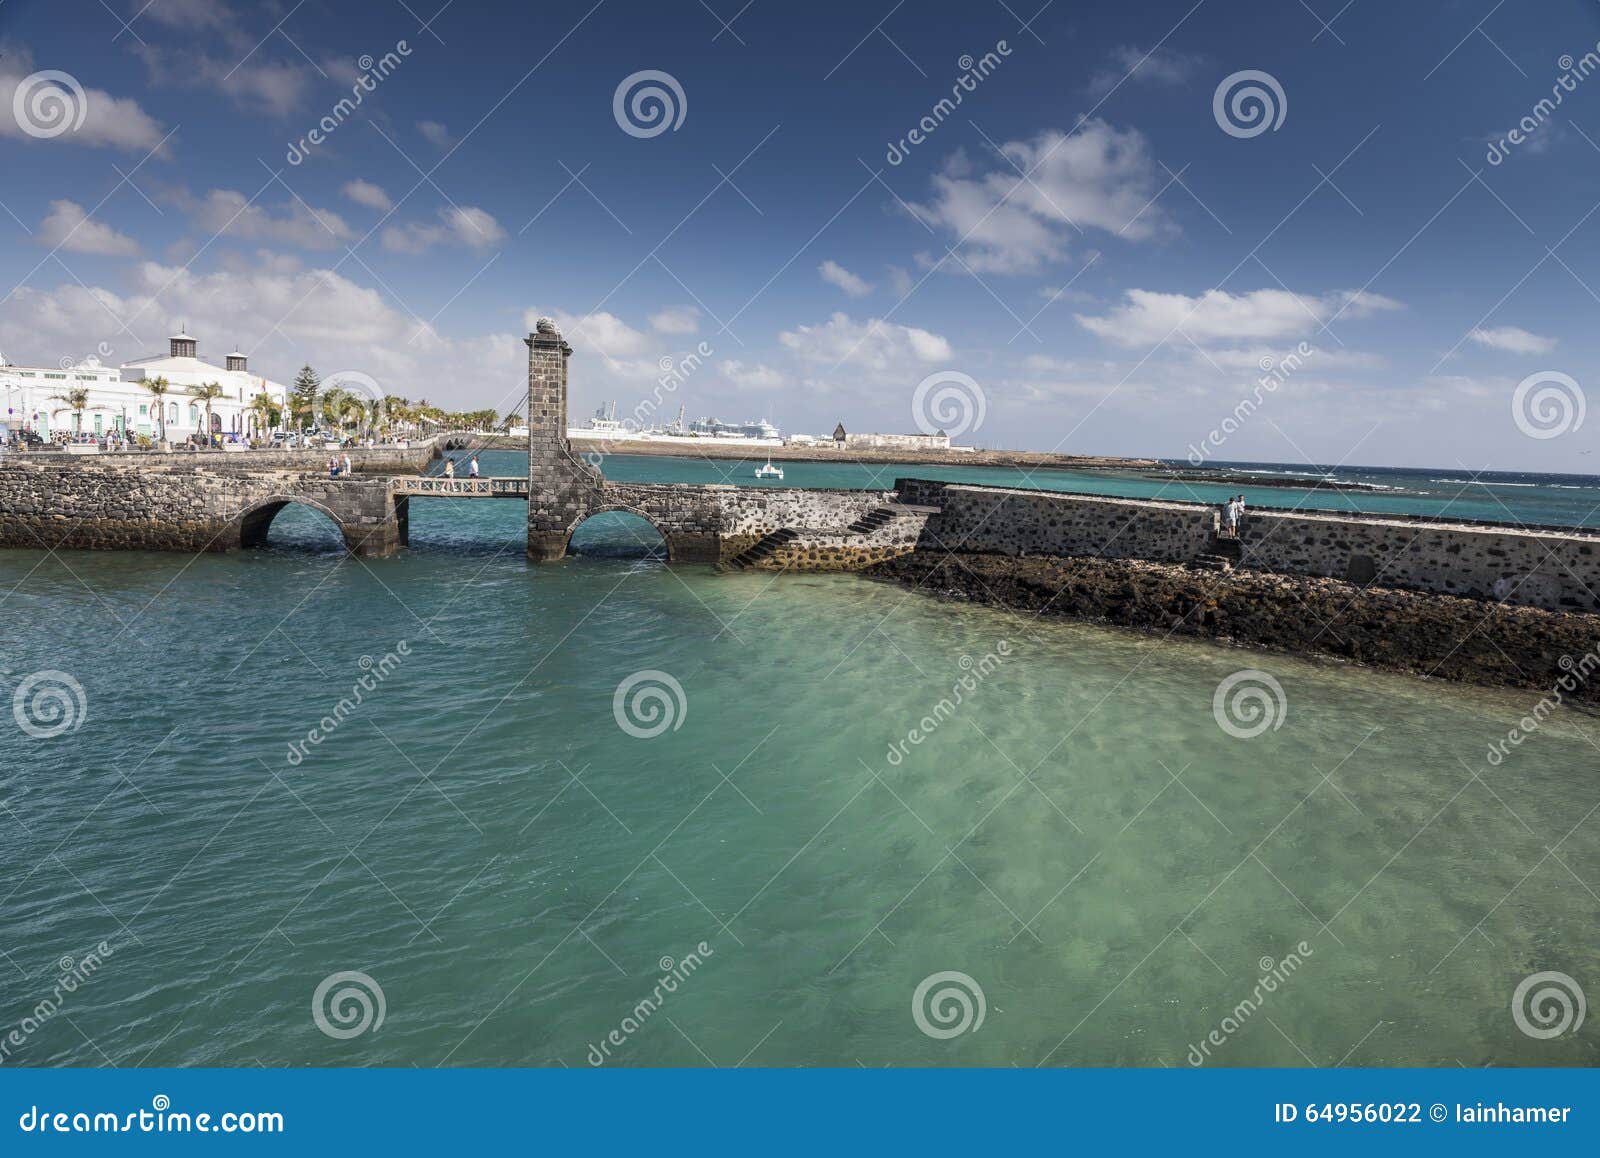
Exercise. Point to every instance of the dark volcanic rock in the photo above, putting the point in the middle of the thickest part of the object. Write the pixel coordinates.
(1468, 640)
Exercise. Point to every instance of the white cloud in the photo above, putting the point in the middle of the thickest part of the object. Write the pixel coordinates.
(207, 16)
(745, 376)
(676, 320)
(435, 134)
(231, 213)
(108, 121)
(368, 194)
(1153, 66)
(282, 316)
(1146, 317)
(1513, 340)
(460, 225)
(602, 332)
(879, 348)
(1098, 177)
(837, 275)
(1057, 293)
(69, 227)
(275, 87)
(900, 281)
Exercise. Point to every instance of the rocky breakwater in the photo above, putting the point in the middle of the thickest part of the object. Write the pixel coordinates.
(1444, 636)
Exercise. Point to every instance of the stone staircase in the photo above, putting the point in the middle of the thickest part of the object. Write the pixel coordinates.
(1219, 555)
(865, 527)
(762, 548)
(872, 520)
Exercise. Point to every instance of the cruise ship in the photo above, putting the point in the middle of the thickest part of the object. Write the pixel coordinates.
(604, 426)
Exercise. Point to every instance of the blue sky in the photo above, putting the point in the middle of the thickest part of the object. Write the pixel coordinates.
(1081, 238)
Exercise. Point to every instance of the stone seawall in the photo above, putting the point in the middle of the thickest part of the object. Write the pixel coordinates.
(713, 523)
(1536, 567)
(45, 505)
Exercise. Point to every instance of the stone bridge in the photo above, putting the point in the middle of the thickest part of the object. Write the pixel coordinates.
(176, 503)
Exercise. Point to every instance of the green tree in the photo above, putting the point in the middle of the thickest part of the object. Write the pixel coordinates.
(303, 398)
(158, 388)
(267, 411)
(77, 400)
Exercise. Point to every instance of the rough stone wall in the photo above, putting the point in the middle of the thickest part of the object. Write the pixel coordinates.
(562, 488)
(168, 508)
(1549, 569)
(994, 520)
(712, 523)
(1536, 567)
(846, 551)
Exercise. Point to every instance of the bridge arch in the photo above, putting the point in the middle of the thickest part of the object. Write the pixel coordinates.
(255, 520)
(665, 544)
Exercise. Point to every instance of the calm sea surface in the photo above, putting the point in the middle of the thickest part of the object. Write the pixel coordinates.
(516, 863)
(1560, 500)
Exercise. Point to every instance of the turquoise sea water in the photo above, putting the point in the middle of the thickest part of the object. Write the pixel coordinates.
(1078, 836)
(1557, 500)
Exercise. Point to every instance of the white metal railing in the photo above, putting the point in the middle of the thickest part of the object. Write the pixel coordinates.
(476, 488)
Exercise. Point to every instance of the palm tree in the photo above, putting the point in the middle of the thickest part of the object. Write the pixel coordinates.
(353, 407)
(331, 401)
(267, 411)
(77, 399)
(205, 393)
(158, 387)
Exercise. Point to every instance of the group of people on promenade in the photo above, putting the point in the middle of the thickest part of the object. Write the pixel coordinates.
(1233, 517)
(338, 467)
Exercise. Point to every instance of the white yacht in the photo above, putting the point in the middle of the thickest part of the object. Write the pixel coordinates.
(769, 471)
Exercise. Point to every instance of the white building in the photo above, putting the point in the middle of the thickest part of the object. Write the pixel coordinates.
(34, 398)
(846, 441)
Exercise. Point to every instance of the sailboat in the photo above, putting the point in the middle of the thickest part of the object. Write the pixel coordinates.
(769, 471)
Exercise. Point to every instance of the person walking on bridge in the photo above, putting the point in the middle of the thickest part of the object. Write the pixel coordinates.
(449, 468)
(472, 467)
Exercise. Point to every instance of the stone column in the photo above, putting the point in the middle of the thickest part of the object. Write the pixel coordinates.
(561, 488)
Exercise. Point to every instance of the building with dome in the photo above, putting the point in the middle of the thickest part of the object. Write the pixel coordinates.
(35, 398)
